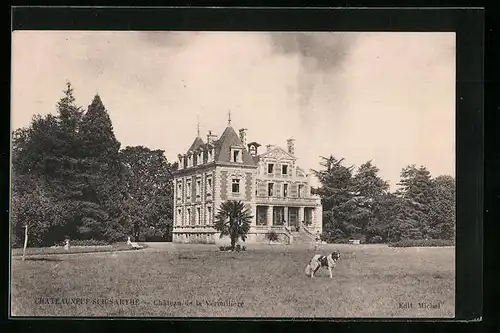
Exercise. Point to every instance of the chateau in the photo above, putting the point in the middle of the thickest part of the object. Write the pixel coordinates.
(269, 182)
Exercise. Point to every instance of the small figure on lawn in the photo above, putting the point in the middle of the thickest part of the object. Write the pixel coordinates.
(318, 242)
(66, 243)
(134, 245)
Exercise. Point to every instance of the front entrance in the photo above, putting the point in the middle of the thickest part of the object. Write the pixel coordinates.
(293, 217)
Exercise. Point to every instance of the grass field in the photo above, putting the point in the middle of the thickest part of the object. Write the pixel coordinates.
(171, 280)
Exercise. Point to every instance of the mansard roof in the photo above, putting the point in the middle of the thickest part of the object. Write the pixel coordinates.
(223, 145)
(197, 143)
(229, 139)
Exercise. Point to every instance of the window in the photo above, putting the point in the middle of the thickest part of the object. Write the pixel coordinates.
(200, 159)
(270, 168)
(210, 155)
(236, 155)
(179, 190)
(188, 194)
(270, 189)
(198, 215)
(236, 186)
(262, 215)
(301, 191)
(284, 169)
(285, 190)
(198, 187)
(190, 161)
(179, 216)
(188, 216)
(209, 215)
(209, 185)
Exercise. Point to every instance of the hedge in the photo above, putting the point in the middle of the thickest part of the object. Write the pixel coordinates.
(422, 243)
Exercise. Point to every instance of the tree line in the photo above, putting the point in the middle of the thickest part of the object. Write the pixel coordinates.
(357, 204)
(70, 179)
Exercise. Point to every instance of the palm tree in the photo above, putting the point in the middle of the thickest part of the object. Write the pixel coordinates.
(233, 220)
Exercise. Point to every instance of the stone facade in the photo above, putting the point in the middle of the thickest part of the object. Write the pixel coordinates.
(271, 184)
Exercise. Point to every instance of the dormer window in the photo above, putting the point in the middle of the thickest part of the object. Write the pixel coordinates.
(236, 155)
(200, 158)
(210, 154)
(190, 160)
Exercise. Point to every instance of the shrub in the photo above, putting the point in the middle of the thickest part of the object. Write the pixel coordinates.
(422, 243)
(334, 237)
(272, 236)
(86, 242)
(237, 248)
(376, 240)
(240, 248)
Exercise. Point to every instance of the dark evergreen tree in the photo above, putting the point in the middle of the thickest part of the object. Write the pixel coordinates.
(368, 191)
(102, 184)
(442, 209)
(336, 197)
(417, 192)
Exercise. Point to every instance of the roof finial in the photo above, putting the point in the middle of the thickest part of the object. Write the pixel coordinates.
(229, 118)
(198, 125)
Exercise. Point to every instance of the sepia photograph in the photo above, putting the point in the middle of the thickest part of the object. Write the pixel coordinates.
(217, 174)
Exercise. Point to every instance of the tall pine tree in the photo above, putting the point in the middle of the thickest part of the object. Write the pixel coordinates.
(369, 192)
(336, 198)
(417, 192)
(103, 185)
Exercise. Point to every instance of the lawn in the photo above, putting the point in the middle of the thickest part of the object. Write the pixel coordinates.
(171, 280)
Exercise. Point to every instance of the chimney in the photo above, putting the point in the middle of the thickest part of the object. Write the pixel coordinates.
(269, 147)
(211, 137)
(243, 136)
(291, 146)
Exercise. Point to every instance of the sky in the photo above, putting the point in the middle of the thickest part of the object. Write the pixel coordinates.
(388, 97)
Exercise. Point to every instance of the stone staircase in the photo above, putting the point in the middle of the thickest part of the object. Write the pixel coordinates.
(301, 237)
